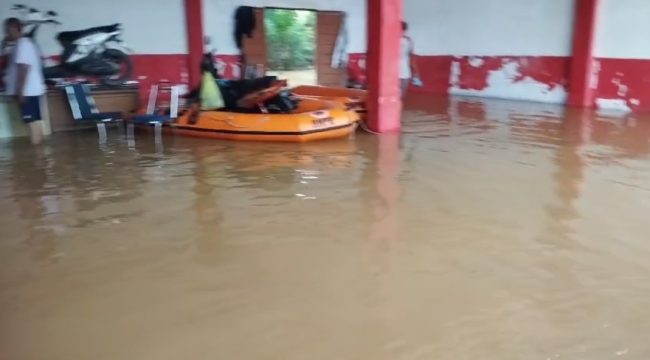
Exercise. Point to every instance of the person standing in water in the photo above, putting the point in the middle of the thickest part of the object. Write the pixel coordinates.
(408, 69)
(24, 77)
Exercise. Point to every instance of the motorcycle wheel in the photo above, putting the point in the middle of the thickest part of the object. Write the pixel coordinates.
(123, 61)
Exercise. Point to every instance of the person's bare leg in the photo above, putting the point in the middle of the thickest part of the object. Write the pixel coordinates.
(404, 85)
(36, 131)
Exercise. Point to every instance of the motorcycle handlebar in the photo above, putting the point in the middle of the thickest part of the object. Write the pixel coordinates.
(39, 22)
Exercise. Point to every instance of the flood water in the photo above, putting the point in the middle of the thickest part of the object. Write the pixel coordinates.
(488, 230)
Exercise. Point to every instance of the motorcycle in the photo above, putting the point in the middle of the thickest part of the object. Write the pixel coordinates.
(96, 52)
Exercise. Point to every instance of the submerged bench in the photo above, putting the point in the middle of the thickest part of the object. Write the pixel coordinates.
(84, 109)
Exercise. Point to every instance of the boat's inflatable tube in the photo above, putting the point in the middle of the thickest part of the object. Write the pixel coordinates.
(313, 120)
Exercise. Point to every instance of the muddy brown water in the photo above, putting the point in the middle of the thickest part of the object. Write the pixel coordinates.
(488, 230)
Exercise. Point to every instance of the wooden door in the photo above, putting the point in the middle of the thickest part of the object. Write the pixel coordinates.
(328, 24)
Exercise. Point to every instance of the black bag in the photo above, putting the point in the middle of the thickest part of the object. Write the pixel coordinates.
(284, 102)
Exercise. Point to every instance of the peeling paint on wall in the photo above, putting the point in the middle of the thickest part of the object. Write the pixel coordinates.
(505, 78)
(541, 79)
(516, 50)
(593, 79)
(624, 82)
(622, 89)
(357, 67)
(476, 62)
(615, 105)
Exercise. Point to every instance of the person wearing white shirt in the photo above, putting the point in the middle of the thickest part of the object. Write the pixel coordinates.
(408, 71)
(24, 77)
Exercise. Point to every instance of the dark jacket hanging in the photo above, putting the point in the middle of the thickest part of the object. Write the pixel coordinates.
(244, 24)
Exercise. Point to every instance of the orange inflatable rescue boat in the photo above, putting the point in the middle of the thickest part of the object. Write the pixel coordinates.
(352, 99)
(314, 119)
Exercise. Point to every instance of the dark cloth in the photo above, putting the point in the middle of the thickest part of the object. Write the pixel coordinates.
(207, 65)
(242, 65)
(234, 90)
(283, 103)
(30, 109)
(244, 24)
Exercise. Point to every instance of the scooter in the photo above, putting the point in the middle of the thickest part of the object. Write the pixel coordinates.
(96, 52)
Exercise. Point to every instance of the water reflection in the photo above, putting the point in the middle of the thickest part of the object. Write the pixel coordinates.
(484, 225)
(569, 175)
(37, 200)
(381, 193)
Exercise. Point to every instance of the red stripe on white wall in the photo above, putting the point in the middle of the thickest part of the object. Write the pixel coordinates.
(623, 84)
(537, 78)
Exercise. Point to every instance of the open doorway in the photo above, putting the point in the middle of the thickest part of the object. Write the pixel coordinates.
(291, 45)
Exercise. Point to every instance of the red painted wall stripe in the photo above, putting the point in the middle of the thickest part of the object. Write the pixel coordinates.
(625, 79)
(436, 70)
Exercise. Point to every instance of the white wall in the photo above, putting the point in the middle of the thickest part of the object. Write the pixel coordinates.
(438, 27)
(491, 27)
(623, 29)
(218, 19)
(150, 26)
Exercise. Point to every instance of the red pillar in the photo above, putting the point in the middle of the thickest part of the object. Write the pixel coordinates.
(194, 22)
(384, 34)
(581, 92)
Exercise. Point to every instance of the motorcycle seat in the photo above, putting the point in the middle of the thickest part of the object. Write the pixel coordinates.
(70, 36)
